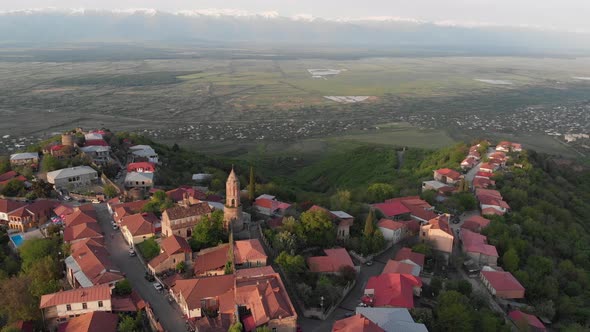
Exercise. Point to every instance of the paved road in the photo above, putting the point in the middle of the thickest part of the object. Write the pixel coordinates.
(353, 298)
(169, 315)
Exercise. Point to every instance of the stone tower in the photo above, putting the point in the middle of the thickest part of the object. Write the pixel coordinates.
(232, 213)
(67, 139)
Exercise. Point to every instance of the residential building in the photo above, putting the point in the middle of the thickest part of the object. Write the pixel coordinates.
(392, 231)
(438, 234)
(475, 223)
(268, 205)
(211, 261)
(93, 136)
(89, 265)
(138, 227)
(356, 323)
(195, 296)
(468, 163)
(65, 305)
(447, 175)
(98, 154)
(341, 219)
(139, 180)
(402, 267)
(60, 151)
(334, 260)
(141, 167)
(476, 247)
(83, 231)
(526, 321)
(249, 253)
(20, 219)
(173, 250)
(483, 182)
(96, 321)
(143, 153)
(119, 210)
(491, 199)
(392, 290)
(502, 284)
(393, 210)
(96, 142)
(180, 220)
(72, 178)
(488, 168)
(7, 206)
(186, 195)
(392, 319)
(408, 256)
(25, 159)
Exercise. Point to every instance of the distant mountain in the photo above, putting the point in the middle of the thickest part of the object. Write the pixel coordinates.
(152, 25)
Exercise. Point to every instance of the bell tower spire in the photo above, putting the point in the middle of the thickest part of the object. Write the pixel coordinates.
(233, 207)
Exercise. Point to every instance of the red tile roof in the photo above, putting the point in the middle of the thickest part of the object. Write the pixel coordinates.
(144, 165)
(8, 175)
(502, 281)
(79, 217)
(42, 207)
(393, 290)
(441, 222)
(480, 182)
(94, 261)
(357, 323)
(82, 231)
(211, 259)
(490, 211)
(475, 223)
(486, 166)
(179, 212)
(449, 173)
(332, 262)
(271, 204)
(20, 213)
(489, 200)
(7, 205)
(390, 224)
(255, 271)
(248, 250)
(178, 194)
(398, 267)
(140, 223)
(266, 297)
(407, 253)
(392, 209)
(79, 295)
(477, 243)
(97, 321)
(531, 320)
(174, 244)
(193, 290)
(96, 142)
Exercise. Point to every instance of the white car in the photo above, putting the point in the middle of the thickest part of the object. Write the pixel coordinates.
(158, 286)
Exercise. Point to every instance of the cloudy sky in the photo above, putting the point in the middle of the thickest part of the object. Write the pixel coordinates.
(570, 15)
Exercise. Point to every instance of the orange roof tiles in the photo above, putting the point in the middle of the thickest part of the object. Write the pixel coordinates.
(356, 323)
(398, 267)
(211, 259)
(174, 244)
(180, 212)
(7, 205)
(393, 290)
(79, 295)
(82, 231)
(193, 290)
(97, 321)
(449, 173)
(503, 281)
(140, 223)
(332, 262)
(390, 224)
(265, 296)
(248, 250)
(407, 253)
(79, 217)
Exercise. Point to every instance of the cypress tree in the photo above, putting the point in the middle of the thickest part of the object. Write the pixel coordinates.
(369, 227)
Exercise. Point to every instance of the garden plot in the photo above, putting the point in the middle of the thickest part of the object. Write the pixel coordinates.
(323, 73)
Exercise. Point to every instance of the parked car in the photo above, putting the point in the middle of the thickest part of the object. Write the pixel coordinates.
(115, 226)
(158, 286)
(132, 253)
(369, 263)
(149, 277)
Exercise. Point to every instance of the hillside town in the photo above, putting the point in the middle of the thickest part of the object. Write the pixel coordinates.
(193, 259)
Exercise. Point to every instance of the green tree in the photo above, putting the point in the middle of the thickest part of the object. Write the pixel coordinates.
(123, 287)
(341, 200)
(50, 163)
(42, 188)
(16, 302)
(13, 188)
(285, 241)
(4, 164)
(318, 229)
(453, 312)
(369, 224)
(130, 324)
(110, 190)
(510, 260)
(181, 266)
(422, 248)
(348, 273)
(291, 264)
(209, 231)
(237, 327)
(377, 241)
(378, 192)
(252, 185)
(36, 249)
(149, 248)
(44, 275)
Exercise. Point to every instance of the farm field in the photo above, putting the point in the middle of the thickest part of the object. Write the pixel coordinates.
(219, 96)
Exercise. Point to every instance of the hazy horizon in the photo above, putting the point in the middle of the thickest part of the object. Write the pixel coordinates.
(565, 15)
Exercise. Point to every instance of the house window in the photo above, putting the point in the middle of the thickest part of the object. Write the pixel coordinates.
(423, 233)
(100, 304)
(68, 307)
(274, 329)
(84, 305)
